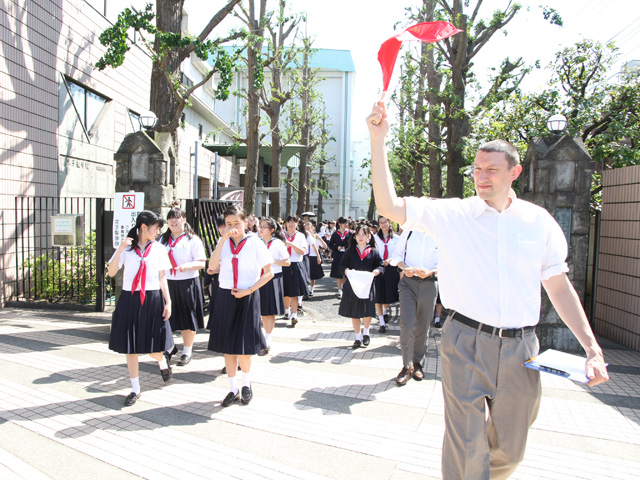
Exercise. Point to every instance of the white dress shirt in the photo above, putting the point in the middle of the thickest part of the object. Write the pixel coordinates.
(299, 240)
(186, 251)
(251, 259)
(278, 251)
(156, 260)
(491, 263)
(391, 245)
(416, 249)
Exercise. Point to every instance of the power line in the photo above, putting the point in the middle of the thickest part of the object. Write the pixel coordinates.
(623, 29)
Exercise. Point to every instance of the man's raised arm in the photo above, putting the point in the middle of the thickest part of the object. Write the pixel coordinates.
(388, 203)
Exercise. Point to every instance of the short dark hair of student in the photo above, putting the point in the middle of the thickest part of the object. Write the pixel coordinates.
(502, 146)
(342, 220)
(148, 218)
(275, 226)
(233, 210)
(220, 221)
(177, 212)
(367, 231)
(380, 232)
(292, 218)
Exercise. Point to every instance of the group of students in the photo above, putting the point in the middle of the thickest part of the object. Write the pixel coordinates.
(257, 271)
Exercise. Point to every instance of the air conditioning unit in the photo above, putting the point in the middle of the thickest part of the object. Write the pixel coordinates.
(67, 230)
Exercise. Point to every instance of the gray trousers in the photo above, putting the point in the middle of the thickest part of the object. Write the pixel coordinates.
(481, 371)
(417, 301)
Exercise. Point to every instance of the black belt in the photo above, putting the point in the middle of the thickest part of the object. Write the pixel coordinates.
(500, 332)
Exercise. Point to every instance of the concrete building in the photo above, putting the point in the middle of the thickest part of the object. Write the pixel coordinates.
(61, 120)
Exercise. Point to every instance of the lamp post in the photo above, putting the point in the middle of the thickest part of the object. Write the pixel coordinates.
(148, 121)
(557, 123)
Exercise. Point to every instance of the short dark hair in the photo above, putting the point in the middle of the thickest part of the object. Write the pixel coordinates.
(502, 146)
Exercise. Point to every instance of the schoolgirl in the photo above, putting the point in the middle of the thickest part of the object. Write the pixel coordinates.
(139, 324)
(305, 265)
(361, 255)
(272, 293)
(236, 331)
(187, 256)
(293, 276)
(316, 243)
(338, 243)
(386, 284)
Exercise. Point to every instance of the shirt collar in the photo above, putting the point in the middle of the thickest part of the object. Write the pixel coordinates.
(479, 206)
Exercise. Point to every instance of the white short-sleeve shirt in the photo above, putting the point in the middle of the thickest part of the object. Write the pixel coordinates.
(391, 245)
(299, 240)
(490, 263)
(416, 249)
(156, 260)
(278, 251)
(313, 240)
(187, 250)
(251, 259)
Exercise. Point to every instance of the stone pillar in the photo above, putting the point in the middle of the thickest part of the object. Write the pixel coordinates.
(556, 175)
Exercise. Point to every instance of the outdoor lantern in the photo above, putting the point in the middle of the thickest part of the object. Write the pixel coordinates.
(557, 123)
(148, 121)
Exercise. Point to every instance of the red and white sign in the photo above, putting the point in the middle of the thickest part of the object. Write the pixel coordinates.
(129, 201)
(127, 206)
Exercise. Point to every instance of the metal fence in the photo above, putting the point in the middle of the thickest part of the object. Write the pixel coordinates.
(201, 215)
(67, 275)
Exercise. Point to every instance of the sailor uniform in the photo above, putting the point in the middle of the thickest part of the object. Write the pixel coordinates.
(337, 240)
(272, 293)
(293, 276)
(351, 306)
(387, 284)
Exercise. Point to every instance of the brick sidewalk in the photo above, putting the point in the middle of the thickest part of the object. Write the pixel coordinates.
(320, 409)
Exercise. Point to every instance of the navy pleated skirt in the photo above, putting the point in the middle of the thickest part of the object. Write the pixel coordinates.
(351, 306)
(315, 269)
(293, 280)
(387, 285)
(306, 269)
(187, 306)
(335, 265)
(236, 327)
(272, 297)
(137, 328)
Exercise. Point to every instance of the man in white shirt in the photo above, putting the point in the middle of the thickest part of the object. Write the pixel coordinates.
(494, 250)
(417, 256)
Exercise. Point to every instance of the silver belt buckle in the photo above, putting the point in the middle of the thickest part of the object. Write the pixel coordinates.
(500, 332)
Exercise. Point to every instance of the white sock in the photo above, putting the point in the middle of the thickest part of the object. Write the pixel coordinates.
(163, 363)
(246, 379)
(232, 384)
(288, 311)
(300, 300)
(366, 331)
(135, 385)
(381, 318)
(187, 350)
(311, 289)
(294, 315)
(437, 319)
(359, 336)
(384, 311)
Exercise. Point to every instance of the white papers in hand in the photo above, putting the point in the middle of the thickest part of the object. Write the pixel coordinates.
(360, 282)
(560, 363)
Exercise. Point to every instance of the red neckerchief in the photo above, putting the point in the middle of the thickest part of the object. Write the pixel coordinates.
(172, 244)
(386, 247)
(364, 254)
(235, 251)
(268, 247)
(342, 236)
(290, 239)
(141, 277)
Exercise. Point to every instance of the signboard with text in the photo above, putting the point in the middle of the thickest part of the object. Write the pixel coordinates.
(126, 209)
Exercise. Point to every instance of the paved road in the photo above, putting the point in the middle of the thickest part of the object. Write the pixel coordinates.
(320, 409)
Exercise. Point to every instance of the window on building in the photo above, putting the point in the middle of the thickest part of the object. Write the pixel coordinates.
(200, 131)
(186, 81)
(134, 121)
(87, 103)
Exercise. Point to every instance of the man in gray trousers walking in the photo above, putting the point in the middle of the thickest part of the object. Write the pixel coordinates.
(417, 256)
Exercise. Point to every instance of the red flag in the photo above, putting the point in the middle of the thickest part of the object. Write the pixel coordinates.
(427, 32)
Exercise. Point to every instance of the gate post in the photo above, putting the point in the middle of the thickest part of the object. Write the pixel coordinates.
(100, 293)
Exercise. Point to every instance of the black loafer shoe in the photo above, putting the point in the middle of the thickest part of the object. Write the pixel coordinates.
(170, 354)
(357, 344)
(166, 374)
(247, 395)
(264, 351)
(366, 340)
(382, 329)
(294, 320)
(131, 399)
(230, 399)
(386, 318)
(184, 359)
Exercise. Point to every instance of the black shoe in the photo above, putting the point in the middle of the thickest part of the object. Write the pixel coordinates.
(166, 374)
(131, 399)
(387, 318)
(294, 320)
(247, 395)
(366, 340)
(382, 329)
(170, 354)
(230, 399)
(357, 344)
(264, 351)
(310, 294)
(286, 316)
(224, 370)
(184, 359)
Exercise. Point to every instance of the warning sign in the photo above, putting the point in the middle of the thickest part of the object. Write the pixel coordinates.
(127, 208)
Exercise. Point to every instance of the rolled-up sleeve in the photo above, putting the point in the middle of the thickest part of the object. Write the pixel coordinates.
(556, 251)
(423, 214)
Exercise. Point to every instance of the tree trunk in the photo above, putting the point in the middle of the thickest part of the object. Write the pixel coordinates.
(305, 134)
(372, 206)
(321, 188)
(254, 51)
(276, 156)
(163, 101)
(405, 179)
(289, 192)
(307, 206)
(434, 82)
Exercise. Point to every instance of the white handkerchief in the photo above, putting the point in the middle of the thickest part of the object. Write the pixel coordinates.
(360, 282)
